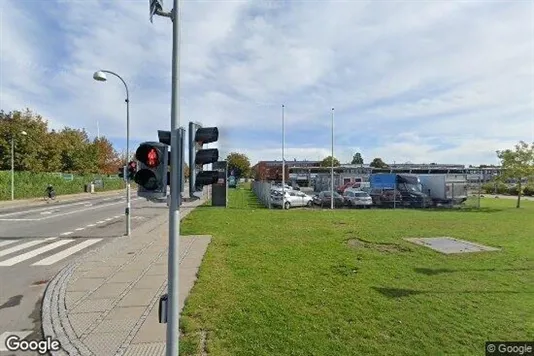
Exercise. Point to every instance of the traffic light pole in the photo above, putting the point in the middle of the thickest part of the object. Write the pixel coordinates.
(173, 317)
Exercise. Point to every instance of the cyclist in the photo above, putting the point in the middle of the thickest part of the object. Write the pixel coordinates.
(50, 191)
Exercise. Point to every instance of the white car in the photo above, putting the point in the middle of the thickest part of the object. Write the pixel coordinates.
(357, 198)
(292, 199)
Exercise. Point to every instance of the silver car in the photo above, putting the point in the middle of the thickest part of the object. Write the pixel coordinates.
(292, 198)
(357, 198)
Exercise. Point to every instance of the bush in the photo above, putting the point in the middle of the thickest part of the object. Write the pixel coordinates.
(513, 190)
(529, 190)
(489, 188)
(33, 185)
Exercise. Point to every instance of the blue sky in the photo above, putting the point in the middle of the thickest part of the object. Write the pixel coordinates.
(415, 81)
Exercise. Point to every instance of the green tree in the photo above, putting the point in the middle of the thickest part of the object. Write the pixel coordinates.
(238, 162)
(378, 163)
(357, 158)
(517, 164)
(108, 160)
(327, 162)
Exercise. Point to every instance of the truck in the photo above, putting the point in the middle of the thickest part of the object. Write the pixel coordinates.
(399, 190)
(445, 189)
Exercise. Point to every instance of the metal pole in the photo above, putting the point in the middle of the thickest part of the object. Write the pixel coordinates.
(283, 160)
(173, 317)
(12, 168)
(332, 168)
(126, 178)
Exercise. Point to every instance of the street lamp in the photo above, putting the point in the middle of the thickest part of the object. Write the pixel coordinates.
(100, 76)
(13, 164)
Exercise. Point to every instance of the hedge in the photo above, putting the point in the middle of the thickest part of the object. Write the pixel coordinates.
(33, 185)
(489, 188)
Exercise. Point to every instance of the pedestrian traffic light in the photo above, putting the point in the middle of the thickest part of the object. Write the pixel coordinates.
(198, 136)
(132, 170)
(151, 175)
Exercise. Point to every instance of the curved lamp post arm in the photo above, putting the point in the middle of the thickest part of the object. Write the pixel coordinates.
(122, 80)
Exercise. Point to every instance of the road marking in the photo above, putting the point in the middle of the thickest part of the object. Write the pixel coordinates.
(67, 233)
(88, 204)
(80, 228)
(46, 212)
(77, 211)
(65, 253)
(2, 219)
(90, 225)
(117, 216)
(108, 219)
(41, 209)
(26, 245)
(101, 222)
(7, 242)
(21, 334)
(26, 256)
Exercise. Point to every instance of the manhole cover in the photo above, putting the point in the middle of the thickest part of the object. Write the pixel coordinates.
(449, 245)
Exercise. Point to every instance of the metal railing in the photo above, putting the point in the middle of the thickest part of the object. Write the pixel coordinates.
(262, 190)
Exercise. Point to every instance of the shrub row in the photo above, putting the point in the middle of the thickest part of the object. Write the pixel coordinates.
(501, 188)
(32, 185)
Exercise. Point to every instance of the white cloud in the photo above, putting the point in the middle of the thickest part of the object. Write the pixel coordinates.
(448, 81)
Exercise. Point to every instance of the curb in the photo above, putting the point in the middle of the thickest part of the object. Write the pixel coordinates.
(54, 321)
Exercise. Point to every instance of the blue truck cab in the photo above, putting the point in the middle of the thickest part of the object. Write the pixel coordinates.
(407, 187)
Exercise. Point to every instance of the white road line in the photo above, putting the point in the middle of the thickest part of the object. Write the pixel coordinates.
(90, 225)
(80, 228)
(2, 219)
(46, 212)
(26, 245)
(77, 211)
(7, 242)
(26, 256)
(108, 219)
(67, 233)
(41, 209)
(117, 216)
(65, 253)
(21, 334)
(101, 222)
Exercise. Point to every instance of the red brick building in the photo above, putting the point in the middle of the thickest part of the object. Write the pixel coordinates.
(272, 170)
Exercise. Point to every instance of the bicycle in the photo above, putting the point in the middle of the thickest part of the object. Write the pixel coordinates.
(49, 195)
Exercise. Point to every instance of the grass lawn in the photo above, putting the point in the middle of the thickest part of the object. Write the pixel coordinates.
(312, 282)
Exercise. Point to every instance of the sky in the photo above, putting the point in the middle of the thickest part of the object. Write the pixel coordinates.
(408, 81)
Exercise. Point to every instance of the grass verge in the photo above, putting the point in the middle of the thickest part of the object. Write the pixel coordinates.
(312, 282)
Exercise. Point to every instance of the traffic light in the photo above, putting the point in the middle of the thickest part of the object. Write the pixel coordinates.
(198, 136)
(121, 172)
(132, 170)
(151, 175)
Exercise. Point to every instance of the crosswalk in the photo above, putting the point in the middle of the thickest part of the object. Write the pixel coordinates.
(14, 252)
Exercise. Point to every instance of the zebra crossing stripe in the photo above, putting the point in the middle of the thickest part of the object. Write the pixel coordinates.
(65, 253)
(25, 245)
(3, 337)
(7, 242)
(26, 256)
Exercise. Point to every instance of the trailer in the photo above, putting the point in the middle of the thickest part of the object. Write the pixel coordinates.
(445, 189)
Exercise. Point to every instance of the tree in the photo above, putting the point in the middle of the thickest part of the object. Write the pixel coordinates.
(378, 163)
(518, 164)
(357, 158)
(327, 162)
(108, 161)
(239, 163)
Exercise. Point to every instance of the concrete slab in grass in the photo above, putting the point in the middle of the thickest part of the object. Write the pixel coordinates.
(449, 245)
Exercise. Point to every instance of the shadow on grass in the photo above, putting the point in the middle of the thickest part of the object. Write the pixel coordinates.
(401, 292)
(437, 271)
(463, 210)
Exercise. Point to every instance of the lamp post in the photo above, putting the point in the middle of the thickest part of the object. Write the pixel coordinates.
(332, 166)
(13, 164)
(283, 158)
(101, 77)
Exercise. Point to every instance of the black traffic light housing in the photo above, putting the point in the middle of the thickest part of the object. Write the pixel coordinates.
(198, 136)
(151, 175)
(131, 170)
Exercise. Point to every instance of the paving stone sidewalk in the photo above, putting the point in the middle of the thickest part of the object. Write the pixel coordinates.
(107, 303)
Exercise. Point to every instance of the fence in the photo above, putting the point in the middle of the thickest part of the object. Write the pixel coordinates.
(262, 190)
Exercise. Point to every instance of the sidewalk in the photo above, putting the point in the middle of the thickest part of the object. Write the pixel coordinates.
(59, 198)
(107, 303)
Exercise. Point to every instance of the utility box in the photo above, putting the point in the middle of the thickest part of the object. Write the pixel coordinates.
(219, 191)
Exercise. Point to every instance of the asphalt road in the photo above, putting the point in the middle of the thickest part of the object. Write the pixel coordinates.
(37, 241)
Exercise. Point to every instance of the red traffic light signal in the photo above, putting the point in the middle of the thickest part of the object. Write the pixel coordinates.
(149, 155)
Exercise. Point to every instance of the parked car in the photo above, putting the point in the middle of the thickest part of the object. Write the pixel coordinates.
(386, 197)
(292, 198)
(324, 199)
(357, 198)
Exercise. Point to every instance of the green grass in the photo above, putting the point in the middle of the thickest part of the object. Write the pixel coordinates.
(298, 282)
(33, 185)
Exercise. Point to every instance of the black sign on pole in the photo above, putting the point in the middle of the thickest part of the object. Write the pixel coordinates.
(219, 191)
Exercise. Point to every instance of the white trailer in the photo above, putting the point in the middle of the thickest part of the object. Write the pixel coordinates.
(445, 189)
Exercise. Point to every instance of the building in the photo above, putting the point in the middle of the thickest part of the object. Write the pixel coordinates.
(272, 170)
